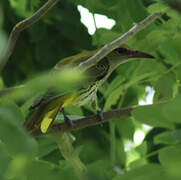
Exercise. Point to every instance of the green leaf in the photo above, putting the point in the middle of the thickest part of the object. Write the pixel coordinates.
(46, 145)
(109, 3)
(38, 85)
(115, 83)
(172, 110)
(13, 134)
(170, 158)
(113, 97)
(17, 167)
(158, 7)
(3, 40)
(153, 40)
(148, 172)
(178, 72)
(169, 52)
(137, 163)
(165, 138)
(136, 10)
(5, 158)
(92, 151)
(104, 36)
(72, 117)
(125, 128)
(152, 116)
(74, 110)
(176, 41)
(20, 8)
(133, 95)
(37, 32)
(177, 134)
(165, 86)
(120, 154)
(142, 148)
(100, 170)
(45, 170)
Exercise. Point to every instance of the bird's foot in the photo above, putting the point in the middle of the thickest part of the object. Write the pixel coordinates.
(100, 114)
(67, 120)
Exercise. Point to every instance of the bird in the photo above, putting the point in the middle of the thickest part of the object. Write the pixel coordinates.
(45, 109)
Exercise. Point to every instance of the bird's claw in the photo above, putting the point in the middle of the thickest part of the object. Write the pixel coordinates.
(67, 120)
(100, 114)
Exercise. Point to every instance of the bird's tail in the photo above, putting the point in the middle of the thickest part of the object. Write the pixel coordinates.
(42, 117)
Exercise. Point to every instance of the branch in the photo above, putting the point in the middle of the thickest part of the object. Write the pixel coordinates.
(92, 120)
(117, 43)
(19, 27)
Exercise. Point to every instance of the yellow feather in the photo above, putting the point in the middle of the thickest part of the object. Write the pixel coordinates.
(50, 115)
(46, 121)
(69, 100)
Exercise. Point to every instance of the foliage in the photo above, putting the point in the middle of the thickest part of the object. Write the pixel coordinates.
(103, 149)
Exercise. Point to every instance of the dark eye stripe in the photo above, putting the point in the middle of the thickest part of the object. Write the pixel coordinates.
(121, 50)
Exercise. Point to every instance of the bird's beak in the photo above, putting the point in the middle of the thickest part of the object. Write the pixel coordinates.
(140, 54)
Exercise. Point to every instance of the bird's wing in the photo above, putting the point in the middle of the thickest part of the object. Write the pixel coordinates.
(45, 108)
(43, 115)
(42, 99)
(71, 61)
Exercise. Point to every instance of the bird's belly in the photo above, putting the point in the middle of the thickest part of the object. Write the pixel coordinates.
(86, 96)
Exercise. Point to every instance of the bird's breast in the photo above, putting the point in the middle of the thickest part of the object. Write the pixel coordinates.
(85, 95)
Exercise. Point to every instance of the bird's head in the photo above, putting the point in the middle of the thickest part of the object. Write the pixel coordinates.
(124, 54)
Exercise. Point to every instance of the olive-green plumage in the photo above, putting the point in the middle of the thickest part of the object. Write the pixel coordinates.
(46, 108)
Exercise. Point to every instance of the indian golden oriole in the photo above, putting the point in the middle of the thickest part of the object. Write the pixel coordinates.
(46, 108)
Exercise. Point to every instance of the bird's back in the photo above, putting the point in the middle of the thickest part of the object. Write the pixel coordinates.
(73, 61)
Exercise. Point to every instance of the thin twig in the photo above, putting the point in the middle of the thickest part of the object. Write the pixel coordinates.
(117, 43)
(19, 27)
(92, 120)
(70, 154)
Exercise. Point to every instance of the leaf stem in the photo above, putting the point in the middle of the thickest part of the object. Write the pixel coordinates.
(112, 127)
(69, 154)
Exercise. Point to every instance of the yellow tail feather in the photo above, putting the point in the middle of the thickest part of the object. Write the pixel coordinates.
(48, 119)
(43, 116)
